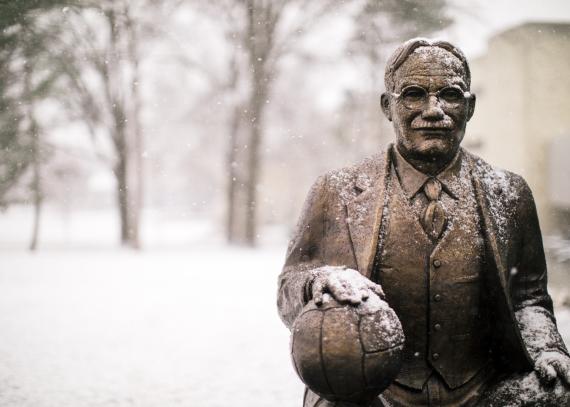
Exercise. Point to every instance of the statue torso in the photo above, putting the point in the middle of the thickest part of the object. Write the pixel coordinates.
(436, 287)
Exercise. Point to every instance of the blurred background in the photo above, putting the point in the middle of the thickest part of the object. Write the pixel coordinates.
(154, 157)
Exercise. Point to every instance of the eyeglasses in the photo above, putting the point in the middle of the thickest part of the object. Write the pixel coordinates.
(415, 97)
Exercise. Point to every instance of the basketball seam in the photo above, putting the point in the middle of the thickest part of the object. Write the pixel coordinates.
(363, 357)
(295, 366)
(384, 350)
(321, 356)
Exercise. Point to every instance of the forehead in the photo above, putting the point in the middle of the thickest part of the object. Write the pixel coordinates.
(430, 66)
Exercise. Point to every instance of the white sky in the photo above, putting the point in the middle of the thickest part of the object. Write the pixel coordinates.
(480, 19)
(475, 22)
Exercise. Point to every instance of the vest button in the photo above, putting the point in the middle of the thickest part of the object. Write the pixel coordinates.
(435, 356)
(437, 297)
(437, 327)
(436, 263)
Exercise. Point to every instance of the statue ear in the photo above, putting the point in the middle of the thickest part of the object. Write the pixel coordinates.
(471, 107)
(385, 104)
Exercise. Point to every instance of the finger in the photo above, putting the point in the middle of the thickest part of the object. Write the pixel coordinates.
(337, 291)
(562, 367)
(377, 289)
(567, 377)
(355, 299)
(346, 296)
(342, 296)
(546, 373)
(342, 290)
(318, 289)
(550, 373)
(540, 376)
(566, 374)
(354, 295)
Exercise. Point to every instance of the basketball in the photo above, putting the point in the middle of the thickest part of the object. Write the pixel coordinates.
(345, 352)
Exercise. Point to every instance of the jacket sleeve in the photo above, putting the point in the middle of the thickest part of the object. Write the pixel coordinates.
(304, 254)
(528, 281)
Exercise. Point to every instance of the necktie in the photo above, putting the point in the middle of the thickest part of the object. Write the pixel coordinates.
(433, 219)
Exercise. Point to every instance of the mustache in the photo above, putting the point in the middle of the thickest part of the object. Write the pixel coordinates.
(444, 124)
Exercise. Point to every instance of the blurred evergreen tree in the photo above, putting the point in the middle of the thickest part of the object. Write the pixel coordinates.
(24, 44)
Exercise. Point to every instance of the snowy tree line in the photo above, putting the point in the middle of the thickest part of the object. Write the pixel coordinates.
(218, 106)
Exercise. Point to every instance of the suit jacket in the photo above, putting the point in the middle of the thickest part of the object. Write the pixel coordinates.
(340, 226)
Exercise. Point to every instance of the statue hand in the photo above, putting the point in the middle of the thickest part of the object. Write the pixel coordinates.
(343, 284)
(553, 364)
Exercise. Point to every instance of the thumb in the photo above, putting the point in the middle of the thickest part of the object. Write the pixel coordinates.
(377, 289)
(318, 289)
(565, 373)
(545, 371)
(562, 366)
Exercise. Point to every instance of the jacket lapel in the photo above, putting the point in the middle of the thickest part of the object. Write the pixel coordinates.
(365, 216)
(365, 211)
(495, 248)
(513, 345)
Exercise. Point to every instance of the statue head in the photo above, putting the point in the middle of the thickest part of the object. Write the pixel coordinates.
(427, 99)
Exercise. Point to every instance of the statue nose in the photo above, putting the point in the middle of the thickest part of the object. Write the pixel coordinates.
(433, 110)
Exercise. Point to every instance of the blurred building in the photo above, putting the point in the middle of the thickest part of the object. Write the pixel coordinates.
(522, 118)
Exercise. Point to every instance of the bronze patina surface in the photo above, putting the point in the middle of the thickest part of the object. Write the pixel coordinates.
(452, 243)
(347, 353)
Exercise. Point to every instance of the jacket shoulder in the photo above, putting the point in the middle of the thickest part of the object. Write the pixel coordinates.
(495, 180)
(508, 195)
(347, 182)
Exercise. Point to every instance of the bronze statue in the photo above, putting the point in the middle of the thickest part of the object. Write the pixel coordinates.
(453, 243)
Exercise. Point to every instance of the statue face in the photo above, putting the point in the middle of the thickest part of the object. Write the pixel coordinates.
(430, 105)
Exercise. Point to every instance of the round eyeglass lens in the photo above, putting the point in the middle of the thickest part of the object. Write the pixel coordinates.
(451, 96)
(414, 97)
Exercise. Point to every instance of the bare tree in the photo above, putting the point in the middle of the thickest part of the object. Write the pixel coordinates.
(103, 75)
(260, 33)
(35, 150)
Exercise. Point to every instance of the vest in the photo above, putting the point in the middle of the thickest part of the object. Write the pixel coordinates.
(436, 289)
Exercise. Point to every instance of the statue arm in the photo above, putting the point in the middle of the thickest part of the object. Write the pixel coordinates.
(528, 281)
(304, 255)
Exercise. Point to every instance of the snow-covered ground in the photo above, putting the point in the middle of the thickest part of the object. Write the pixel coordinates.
(190, 323)
(160, 328)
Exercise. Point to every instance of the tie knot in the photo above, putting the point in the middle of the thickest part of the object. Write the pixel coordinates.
(432, 189)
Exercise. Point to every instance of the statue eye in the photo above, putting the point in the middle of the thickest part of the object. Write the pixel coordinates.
(451, 95)
(414, 94)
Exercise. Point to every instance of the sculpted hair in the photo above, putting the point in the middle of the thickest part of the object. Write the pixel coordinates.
(405, 50)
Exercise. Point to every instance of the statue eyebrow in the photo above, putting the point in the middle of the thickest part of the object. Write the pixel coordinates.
(410, 81)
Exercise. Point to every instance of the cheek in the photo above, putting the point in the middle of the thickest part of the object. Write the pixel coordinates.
(403, 117)
(459, 116)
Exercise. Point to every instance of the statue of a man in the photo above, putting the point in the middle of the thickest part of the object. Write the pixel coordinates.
(452, 243)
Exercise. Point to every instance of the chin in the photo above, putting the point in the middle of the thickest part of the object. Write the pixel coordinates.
(433, 149)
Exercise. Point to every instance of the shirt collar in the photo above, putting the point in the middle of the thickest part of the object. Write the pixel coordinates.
(413, 180)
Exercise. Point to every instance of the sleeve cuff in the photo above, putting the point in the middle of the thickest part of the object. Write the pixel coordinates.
(308, 288)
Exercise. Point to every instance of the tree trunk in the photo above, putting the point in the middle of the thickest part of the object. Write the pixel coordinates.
(128, 208)
(123, 132)
(135, 121)
(36, 184)
(33, 129)
(259, 44)
(253, 161)
(232, 229)
(128, 214)
(247, 124)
